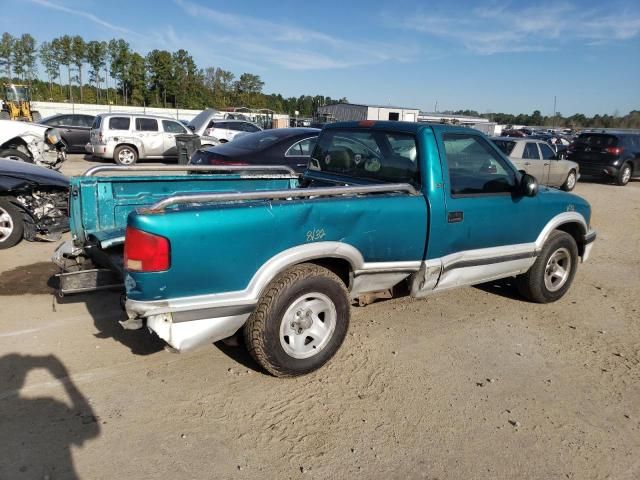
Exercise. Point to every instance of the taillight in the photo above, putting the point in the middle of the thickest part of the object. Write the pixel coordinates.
(219, 161)
(145, 252)
(615, 150)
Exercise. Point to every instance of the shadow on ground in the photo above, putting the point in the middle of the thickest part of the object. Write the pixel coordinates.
(37, 431)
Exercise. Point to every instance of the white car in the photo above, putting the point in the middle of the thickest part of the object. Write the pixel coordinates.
(32, 143)
(214, 128)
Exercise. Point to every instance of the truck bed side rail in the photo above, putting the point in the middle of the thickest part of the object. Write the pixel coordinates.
(252, 170)
(282, 194)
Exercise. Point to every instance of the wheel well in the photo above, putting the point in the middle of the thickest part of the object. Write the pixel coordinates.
(129, 145)
(339, 266)
(575, 230)
(15, 143)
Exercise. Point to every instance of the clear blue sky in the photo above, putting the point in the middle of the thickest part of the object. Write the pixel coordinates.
(499, 56)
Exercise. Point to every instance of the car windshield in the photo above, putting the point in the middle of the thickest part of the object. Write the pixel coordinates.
(373, 154)
(598, 140)
(505, 145)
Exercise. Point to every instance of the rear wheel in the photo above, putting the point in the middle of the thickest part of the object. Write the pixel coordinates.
(15, 154)
(570, 182)
(624, 175)
(11, 224)
(125, 155)
(300, 321)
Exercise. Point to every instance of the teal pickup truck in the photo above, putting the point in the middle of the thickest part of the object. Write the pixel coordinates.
(281, 257)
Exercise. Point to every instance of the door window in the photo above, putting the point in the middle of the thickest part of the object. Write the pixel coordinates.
(302, 148)
(475, 168)
(172, 127)
(82, 121)
(547, 152)
(119, 123)
(250, 128)
(531, 151)
(146, 125)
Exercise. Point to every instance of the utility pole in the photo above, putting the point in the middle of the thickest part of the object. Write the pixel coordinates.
(435, 108)
(554, 113)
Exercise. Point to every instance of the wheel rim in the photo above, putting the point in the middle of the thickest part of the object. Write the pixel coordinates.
(308, 325)
(571, 181)
(6, 225)
(557, 271)
(626, 175)
(126, 156)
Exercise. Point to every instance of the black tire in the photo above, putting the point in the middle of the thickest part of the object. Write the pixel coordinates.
(127, 150)
(569, 185)
(262, 331)
(14, 154)
(35, 116)
(10, 218)
(624, 175)
(4, 115)
(532, 285)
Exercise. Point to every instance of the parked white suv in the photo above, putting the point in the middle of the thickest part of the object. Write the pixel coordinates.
(213, 128)
(126, 138)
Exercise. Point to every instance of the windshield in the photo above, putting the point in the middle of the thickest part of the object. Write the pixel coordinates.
(374, 154)
(505, 145)
(13, 93)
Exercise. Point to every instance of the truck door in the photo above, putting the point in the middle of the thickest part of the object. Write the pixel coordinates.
(487, 228)
(147, 130)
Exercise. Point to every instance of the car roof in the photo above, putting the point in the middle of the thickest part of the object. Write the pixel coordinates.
(139, 115)
(519, 139)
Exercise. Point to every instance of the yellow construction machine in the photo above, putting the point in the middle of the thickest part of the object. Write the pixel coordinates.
(17, 104)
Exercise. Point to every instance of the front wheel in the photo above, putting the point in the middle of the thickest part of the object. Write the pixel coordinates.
(624, 175)
(570, 182)
(300, 321)
(11, 224)
(552, 273)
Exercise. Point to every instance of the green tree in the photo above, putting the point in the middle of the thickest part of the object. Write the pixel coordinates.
(65, 57)
(119, 53)
(7, 44)
(96, 53)
(78, 56)
(137, 79)
(161, 71)
(50, 63)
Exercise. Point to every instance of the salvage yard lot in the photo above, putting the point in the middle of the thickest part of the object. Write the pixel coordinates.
(474, 383)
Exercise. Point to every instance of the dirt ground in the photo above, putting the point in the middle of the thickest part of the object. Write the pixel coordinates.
(471, 384)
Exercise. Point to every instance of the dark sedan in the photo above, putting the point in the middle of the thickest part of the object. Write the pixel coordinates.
(74, 129)
(281, 146)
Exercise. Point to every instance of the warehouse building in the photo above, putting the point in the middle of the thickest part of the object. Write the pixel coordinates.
(352, 111)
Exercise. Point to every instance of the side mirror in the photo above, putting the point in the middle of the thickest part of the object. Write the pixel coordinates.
(528, 185)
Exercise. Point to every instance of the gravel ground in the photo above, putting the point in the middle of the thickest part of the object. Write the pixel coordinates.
(473, 383)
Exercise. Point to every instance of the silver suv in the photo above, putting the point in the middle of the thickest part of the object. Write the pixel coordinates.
(126, 138)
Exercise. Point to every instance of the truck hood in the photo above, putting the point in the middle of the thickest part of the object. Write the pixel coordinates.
(14, 173)
(10, 129)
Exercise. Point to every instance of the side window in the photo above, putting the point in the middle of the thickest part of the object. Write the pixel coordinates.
(119, 123)
(547, 152)
(96, 122)
(66, 120)
(172, 127)
(531, 151)
(250, 128)
(302, 148)
(54, 122)
(474, 167)
(236, 126)
(84, 121)
(146, 125)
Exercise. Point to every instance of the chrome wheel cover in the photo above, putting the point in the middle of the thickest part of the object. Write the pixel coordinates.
(571, 181)
(6, 225)
(126, 156)
(626, 174)
(308, 325)
(558, 269)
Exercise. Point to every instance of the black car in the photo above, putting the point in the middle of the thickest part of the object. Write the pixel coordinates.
(281, 146)
(33, 203)
(611, 155)
(74, 129)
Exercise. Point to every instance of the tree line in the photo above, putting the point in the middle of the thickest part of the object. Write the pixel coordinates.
(77, 70)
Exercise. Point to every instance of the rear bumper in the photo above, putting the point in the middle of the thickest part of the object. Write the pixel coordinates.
(100, 151)
(599, 169)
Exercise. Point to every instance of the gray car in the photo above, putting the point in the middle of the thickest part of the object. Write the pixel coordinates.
(126, 138)
(537, 158)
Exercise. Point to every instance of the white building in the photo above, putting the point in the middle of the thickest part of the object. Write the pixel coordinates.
(354, 112)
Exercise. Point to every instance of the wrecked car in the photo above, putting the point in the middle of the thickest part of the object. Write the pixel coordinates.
(33, 203)
(31, 143)
(383, 207)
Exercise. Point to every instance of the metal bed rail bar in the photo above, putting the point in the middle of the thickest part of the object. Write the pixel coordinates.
(93, 171)
(282, 194)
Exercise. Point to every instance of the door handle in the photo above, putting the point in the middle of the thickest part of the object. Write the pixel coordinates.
(546, 164)
(527, 163)
(455, 217)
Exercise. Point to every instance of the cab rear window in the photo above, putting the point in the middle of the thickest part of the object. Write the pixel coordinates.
(373, 154)
(119, 123)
